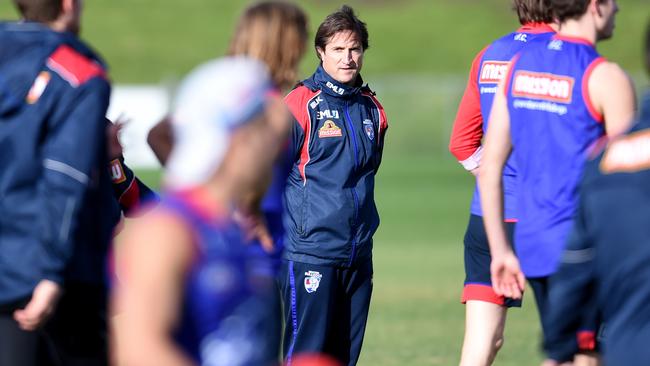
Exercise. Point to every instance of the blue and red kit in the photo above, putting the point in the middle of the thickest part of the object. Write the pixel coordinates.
(224, 310)
(607, 255)
(488, 68)
(552, 125)
(331, 217)
(53, 98)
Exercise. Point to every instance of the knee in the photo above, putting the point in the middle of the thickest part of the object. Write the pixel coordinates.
(498, 343)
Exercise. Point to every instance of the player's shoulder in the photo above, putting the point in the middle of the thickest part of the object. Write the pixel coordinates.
(302, 98)
(73, 66)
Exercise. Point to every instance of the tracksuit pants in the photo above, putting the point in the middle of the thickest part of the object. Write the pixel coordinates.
(325, 309)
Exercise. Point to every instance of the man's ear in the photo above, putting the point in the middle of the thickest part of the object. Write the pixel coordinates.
(320, 53)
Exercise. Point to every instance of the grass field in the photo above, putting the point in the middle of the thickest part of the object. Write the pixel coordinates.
(419, 56)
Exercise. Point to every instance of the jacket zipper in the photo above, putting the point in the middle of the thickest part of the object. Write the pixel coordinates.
(354, 191)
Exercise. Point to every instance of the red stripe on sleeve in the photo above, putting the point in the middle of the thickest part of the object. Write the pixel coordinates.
(298, 101)
(383, 121)
(467, 132)
(585, 90)
(73, 66)
(131, 197)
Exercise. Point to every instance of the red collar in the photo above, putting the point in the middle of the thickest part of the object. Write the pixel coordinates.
(535, 28)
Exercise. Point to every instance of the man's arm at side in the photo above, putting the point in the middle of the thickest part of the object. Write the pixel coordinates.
(613, 97)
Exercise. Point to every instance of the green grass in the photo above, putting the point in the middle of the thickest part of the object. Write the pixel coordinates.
(418, 60)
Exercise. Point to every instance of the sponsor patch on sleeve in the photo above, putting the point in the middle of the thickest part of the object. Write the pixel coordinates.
(37, 89)
(117, 171)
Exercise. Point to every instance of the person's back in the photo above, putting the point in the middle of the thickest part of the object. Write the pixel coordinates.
(608, 251)
(46, 75)
(552, 125)
(224, 315)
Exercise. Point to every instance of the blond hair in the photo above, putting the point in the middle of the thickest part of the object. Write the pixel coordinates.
(274, 32)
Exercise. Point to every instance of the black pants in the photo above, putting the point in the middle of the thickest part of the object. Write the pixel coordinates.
(75, 335)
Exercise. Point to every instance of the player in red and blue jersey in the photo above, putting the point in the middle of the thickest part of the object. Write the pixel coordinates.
(558, 98)
(189, 293)
(486, 311)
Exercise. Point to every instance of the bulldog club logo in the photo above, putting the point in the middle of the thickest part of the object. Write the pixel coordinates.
(329, 129)
(312, 280)
(369, 128)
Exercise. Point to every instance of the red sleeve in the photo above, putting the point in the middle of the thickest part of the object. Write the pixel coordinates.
(467, 132)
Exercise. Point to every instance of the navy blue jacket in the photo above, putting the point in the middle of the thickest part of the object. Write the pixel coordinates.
(53, 98)
(336, 147)
(607, 257)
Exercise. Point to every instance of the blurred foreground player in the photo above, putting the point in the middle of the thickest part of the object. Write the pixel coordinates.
(558, 98)
(608, 254)
(53, 97)
(485, 311)
(188, 294)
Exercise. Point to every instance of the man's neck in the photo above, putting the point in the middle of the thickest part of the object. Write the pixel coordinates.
(579, 28)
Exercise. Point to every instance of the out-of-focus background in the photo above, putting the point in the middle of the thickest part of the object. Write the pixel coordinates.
(419, 56)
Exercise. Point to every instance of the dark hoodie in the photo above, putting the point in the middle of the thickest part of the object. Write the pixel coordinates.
(53, 98)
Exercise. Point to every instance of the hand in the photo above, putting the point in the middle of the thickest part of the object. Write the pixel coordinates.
(255, 227)
(44, 298)
(507, 278)
(113, 130)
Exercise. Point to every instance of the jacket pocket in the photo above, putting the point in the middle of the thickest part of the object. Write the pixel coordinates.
(303, 213)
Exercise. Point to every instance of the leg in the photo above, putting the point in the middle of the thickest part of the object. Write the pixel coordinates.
(307, 292)
(484, 325)
(358, 291)
(17, 347)
(485, 311)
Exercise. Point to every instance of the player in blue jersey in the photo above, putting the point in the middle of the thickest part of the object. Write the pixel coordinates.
(607, 254)
(486, 311)
(275, 33)
(188, 293)
(557, 99)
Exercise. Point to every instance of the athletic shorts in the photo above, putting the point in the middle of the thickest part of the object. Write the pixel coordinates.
(478, 282)
(590, 326)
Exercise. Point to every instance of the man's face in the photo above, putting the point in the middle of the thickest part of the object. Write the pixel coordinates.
(342, 57)
(605, 21)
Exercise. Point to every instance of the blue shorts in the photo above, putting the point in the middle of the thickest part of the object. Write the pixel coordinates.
(478, 282)
(586, 338)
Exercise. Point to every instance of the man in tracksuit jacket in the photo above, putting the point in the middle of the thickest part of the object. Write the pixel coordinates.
(326, 275)
(56, 195)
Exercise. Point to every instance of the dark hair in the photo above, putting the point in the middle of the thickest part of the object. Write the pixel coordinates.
(570, 9)
(341, 20)
(533, 11)
(42, 11)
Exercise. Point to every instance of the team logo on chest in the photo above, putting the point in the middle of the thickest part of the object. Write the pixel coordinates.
(329, 129)
(369, 128)
(312, 281)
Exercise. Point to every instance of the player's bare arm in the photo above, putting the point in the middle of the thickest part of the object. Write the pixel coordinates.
(155, 256)
(612, 94)
(507, 277)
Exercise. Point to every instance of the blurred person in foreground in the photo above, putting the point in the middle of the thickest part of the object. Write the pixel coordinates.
(607, 252)
(275, 33)
(485, 311)
(336, 148)
(53, 178)
(188, 293)
(557, 99)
